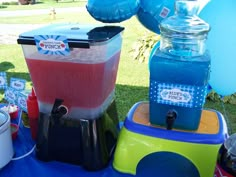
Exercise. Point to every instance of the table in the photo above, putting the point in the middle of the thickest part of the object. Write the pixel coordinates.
(27, 165)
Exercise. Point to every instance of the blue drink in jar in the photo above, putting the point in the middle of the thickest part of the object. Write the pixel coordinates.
(180, 69)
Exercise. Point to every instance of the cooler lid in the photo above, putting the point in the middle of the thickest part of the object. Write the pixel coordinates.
(3, 118)
(77, 35)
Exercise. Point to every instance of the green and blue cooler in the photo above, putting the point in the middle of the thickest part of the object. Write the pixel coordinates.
(144, 148)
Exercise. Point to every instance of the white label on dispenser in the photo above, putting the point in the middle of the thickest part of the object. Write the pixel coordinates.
(177, 94)
(52, 44)
(17, 84)
(3, 80)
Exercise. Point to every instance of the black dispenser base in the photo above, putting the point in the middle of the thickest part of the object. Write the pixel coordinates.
(85, 142)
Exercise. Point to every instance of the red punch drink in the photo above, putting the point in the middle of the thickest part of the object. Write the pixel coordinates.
(80, 85)
(75, 63)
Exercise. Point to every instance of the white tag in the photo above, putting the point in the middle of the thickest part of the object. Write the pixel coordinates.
(175, 95)
(164, 12)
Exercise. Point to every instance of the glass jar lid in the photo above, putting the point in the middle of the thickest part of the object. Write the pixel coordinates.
(185, 23)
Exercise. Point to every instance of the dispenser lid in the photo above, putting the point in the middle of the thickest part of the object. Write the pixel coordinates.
(78, 35)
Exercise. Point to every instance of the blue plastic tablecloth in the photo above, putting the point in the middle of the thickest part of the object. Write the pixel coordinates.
(30, 166)
(25, 164)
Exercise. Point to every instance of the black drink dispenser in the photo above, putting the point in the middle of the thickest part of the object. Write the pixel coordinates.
(73, 69)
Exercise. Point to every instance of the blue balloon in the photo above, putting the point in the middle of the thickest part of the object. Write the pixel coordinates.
(112, 11)
(152, 12)
(221, 43)
(202, 4)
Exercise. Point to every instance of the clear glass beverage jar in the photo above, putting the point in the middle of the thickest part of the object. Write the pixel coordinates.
(180, 69)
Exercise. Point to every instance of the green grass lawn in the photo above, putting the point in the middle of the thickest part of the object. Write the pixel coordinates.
(133, 77)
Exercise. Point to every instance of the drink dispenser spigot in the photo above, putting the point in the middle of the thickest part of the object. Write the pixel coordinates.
(180, 68)
(58, 111)
(170, 119)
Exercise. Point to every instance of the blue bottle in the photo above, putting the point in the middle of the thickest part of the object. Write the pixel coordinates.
(180, 69)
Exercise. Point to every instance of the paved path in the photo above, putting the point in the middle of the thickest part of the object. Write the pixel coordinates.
(10, 32)
(39, 11)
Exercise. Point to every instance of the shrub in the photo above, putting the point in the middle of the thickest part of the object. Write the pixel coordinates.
(142, 47)
(24, 2)
(2, 6)
(9, 3)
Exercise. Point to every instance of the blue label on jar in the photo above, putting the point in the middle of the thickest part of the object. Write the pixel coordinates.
(177, 94)
(52, 44)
